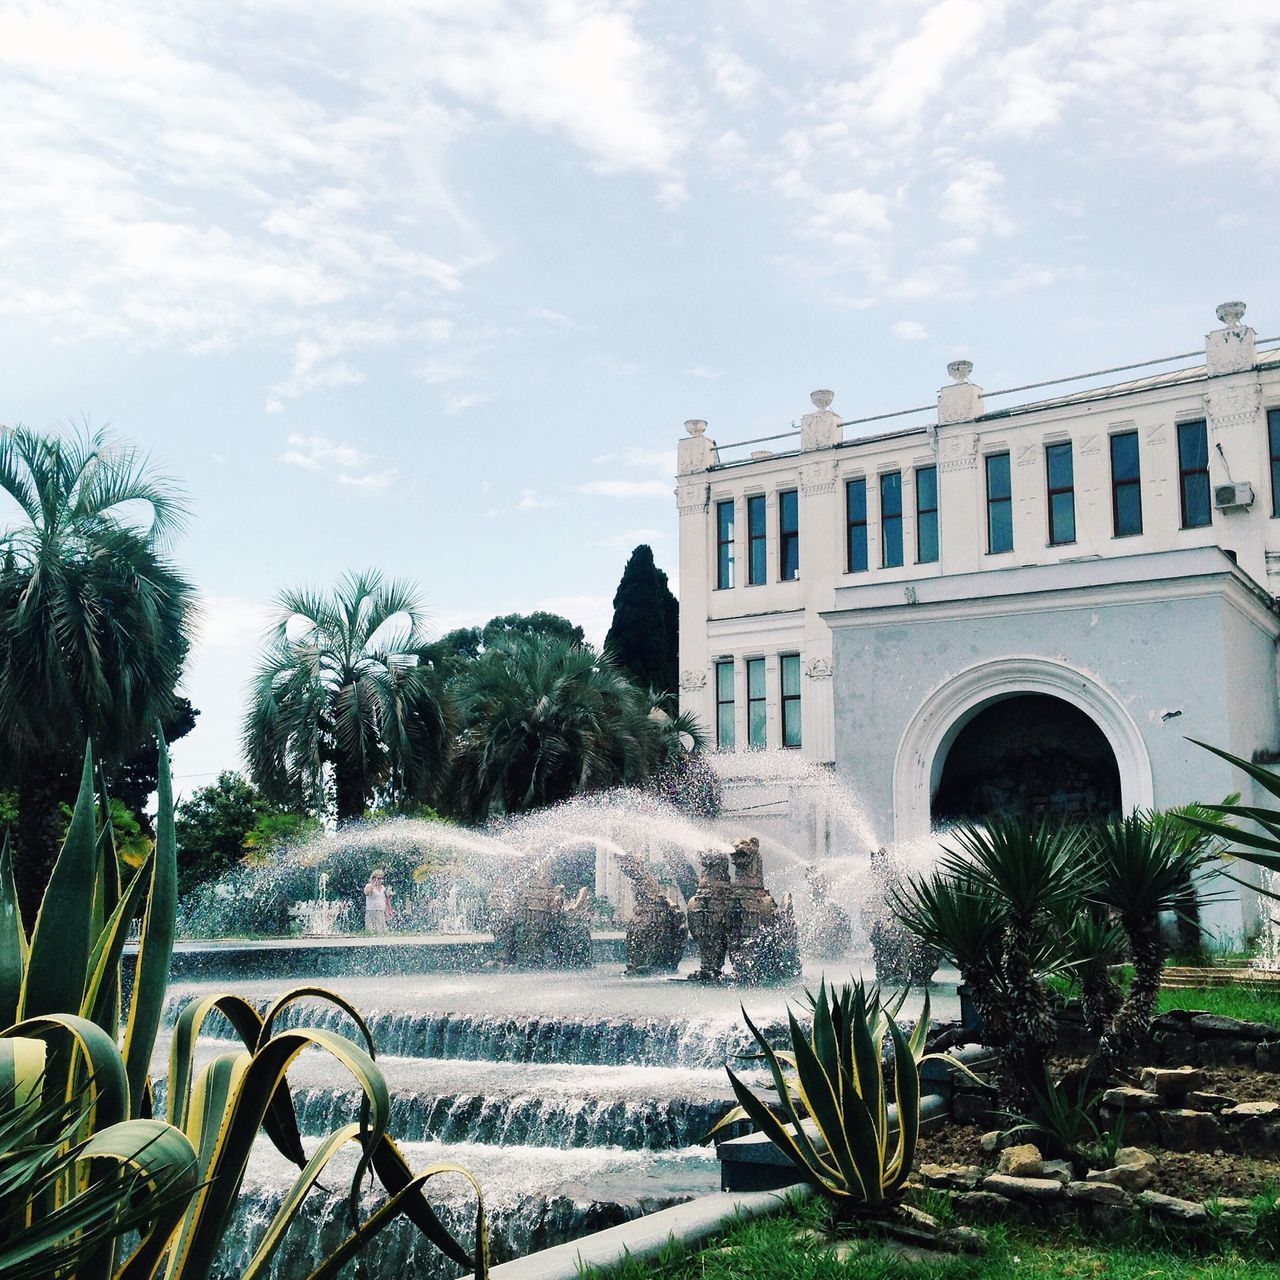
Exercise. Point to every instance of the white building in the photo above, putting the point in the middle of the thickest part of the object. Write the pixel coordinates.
(1052, 597)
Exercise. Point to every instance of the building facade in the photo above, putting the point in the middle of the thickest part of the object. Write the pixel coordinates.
(1046, 601)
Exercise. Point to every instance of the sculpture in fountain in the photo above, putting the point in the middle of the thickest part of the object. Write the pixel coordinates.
(537, 927)
(741, 922)
(656, 932)
(828, 930)
(899, 956)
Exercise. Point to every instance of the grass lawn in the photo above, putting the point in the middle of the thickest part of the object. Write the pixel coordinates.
(767, 1249)
(1253, 1004)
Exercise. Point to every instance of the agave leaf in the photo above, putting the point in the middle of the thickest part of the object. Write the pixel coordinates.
(22, 1060)
(101, 992)
(13, 939)
(906, 1094)
(155, 947)
(60, 940)
(823, 1105)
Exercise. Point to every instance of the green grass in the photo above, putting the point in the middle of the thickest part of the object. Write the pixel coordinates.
(1252, 1004)
(767, 1249)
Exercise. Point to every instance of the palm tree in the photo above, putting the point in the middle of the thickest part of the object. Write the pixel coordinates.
(94, 621)
(339, 690)
(542, 719)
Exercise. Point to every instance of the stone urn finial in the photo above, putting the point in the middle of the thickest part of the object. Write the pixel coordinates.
(821, 400)
(695, 426)
(960, 369)
(1231, 313)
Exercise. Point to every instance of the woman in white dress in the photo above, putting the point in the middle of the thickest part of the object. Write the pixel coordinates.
(377, 902)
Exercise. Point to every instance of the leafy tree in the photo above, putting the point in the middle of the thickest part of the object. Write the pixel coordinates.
(212, 826)
(94, 622)
(133, 781)
(548, 626)
(542, 720)
(452, 652)
(644, 639)
(341, 689)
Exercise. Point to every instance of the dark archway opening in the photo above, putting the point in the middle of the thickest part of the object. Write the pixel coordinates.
(1030, 755)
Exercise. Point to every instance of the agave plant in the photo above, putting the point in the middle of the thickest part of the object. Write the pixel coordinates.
(73, 1180)
(833, 1098)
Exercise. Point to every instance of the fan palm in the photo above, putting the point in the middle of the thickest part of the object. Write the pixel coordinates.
(339, 689)
(544, 719)
(94, 621)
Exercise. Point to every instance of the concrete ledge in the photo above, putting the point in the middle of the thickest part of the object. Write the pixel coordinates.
(686, 1224)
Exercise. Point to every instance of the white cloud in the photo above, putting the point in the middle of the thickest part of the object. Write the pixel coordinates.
(628, 488)
(231, 623)
(631, 538)
(909, 330)
(529, 500)
(594, 614)
(344, 463)
(704, 371)
(466, 400)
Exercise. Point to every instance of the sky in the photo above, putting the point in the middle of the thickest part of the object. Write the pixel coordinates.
(431, 287)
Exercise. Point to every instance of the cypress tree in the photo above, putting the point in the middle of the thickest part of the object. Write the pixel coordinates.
(644, 639)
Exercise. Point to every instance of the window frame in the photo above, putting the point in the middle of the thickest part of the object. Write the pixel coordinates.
(922, 512)
(725, 577)
(761, 702)
(1273, 451)
(788, 538)
(786, 700)
(1185, 473)
(886, 517)
(1053, 491)
(851, 524)
(722, 703)
(757, 502)
(992, 503)
(1134, 483)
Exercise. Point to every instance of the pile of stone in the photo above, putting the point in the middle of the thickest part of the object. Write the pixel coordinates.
(1171, 1108)
(1206, 1039)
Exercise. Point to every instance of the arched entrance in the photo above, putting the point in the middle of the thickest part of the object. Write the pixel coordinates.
(1027, 755)
(940, 719)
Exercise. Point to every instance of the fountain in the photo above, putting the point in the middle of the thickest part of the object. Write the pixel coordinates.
(656, 933)
(537, 927)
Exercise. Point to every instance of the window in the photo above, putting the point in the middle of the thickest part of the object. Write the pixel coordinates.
(999, 504)
(891, 519)
(788, 535)
(724, 705)
(790, 663)
(926, 515)
(1126, 486)
(1193, 474)
(724, 545)
(855, 513)
(757, 567)
(1062, 493)
(755, 704)
(1273, 436)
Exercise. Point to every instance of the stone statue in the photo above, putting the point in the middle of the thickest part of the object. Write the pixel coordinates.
(827, 933)
(535, 927)
(709, 911)
(656, 933)
(900, 957)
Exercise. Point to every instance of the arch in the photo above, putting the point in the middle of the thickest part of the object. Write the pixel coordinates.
(945, 712)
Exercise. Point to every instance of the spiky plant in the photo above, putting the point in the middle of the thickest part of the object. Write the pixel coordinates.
(1094, 943)
(1143, 865)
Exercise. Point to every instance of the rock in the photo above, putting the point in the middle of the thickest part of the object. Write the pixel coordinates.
(916, 1218)
(1254, 1126)
(1098, 1193)
(1127, 1098)
(1181, 1129)
(1176, 1019)
(985, 1206)
(990, 1141)
(1171, 1207)
(960, 1177)
(1059, 1169)
(1026, 1188)
(1135, 1156)
(1214, 1024)
(1172, 1082)
(965, 1240)
(1139, 1126)
(1022, 1161)
(1179, 1046)
(1201, 1101)
(1251, 1110)
(1134, 1169)
(1267, 1056)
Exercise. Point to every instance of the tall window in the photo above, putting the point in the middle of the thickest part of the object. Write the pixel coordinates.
(755, 704)
(790, 664)
(1126, 485)
(724, 705)
(926, 515)
(1273, 435)
(855, 512)
(999, 504)
(1193, 474)
(757, 565)
(788, 535)
(891, 519)
(724, 545)
(1062, 493)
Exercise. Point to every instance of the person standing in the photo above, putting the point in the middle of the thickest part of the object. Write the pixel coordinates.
(377, 904)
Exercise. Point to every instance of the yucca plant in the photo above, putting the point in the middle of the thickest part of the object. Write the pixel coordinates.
(105, 1167)
(1094, 943)
(832, 1117)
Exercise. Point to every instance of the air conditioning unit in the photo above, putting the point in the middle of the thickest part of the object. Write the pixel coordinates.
(1233, 497)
